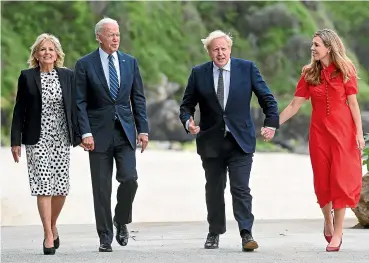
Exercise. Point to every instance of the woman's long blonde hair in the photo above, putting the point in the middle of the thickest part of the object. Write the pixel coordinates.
(33, 62)
(338, 54)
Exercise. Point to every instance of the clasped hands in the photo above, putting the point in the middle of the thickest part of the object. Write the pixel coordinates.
(267, 133)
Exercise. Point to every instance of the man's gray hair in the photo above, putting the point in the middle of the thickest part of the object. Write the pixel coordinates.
(216, 34)
(102, 22)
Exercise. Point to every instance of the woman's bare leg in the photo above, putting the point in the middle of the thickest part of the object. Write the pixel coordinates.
(44, 209)
(339, 217)
(328, 219)
(57, 203)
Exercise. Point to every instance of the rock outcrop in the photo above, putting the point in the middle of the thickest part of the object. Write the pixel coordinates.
(362, 209)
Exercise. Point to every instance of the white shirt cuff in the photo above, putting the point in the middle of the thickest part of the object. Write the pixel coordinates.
(86, 135)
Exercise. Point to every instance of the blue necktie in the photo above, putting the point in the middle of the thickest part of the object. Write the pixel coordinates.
(113, 79)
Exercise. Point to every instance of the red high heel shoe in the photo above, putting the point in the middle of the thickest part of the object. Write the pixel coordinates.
(327, 238)
(334, 249)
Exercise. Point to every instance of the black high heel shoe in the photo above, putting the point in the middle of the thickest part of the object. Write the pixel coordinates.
(57, 243)
(48, 250)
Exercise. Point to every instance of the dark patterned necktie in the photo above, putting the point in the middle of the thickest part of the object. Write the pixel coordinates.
(113, 79)
(220, 89)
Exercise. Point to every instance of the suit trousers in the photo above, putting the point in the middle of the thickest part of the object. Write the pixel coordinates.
(238, 163)
(101, 166)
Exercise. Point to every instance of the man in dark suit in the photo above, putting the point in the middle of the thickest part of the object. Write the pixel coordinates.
(225, 136)
(111, 107)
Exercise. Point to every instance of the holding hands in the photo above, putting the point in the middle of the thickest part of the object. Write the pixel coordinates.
(267, 133)
(88, 143)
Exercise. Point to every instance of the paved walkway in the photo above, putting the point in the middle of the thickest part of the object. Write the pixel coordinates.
(280, 241)
(171, 189)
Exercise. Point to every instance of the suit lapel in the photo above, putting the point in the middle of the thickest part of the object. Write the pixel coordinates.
(232, 81)
(37, 77)
(100, 71)
(210, 85)
(63, 83)
(123, 73)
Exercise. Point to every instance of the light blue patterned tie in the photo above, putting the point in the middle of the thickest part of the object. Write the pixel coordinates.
(113, 79)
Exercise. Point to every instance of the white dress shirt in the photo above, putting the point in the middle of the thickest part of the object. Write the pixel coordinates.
(104, 57)
(226, 81)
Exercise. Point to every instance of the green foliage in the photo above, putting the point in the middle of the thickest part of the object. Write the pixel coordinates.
(165, 37)
(347, 15)
(366, 153)
(307, 25)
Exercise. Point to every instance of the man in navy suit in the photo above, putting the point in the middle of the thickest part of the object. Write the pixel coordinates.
(225, 136)
(111, 107)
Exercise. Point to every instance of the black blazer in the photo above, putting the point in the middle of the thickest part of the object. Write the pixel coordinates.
(26, 124)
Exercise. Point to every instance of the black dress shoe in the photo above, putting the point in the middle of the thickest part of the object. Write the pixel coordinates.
(57, 243)
(105, 248)
(248, 243)
(122, 234)
(212, 241)
(48, 250)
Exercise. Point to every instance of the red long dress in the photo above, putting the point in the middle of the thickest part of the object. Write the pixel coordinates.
(335, 158)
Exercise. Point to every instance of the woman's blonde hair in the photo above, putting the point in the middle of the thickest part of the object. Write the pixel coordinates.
(339, 58)
(33, 62)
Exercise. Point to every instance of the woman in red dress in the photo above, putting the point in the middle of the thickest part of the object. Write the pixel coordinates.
(336, 135)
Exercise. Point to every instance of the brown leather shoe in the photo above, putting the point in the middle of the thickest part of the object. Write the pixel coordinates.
(248, 243)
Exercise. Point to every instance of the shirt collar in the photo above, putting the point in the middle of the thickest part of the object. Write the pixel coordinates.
(105, 56)
(227, 67)
(331, 67)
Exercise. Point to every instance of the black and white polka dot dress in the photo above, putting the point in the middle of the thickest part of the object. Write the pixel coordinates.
(48, 160)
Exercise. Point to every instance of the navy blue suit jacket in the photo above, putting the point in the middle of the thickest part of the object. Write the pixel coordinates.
(245, 79)
(95, 107)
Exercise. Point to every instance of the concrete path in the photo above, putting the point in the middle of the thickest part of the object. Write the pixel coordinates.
(280, 241)
(171, 189)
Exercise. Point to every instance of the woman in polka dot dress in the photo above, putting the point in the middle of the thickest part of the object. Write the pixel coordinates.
(44, 121)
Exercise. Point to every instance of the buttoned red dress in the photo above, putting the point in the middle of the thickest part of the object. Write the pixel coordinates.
(335, 158)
